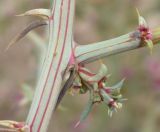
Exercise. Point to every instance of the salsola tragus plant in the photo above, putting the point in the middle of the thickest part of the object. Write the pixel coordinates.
(64, 69)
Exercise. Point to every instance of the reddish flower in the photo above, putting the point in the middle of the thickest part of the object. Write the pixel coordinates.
(146, 34)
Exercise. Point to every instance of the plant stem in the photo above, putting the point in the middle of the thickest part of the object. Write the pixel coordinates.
(56, 60)
(91, 52)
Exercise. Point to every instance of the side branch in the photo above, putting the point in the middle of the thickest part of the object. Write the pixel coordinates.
(91, 52)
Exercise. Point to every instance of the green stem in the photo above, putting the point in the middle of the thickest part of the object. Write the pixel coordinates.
(92, 52)
(56, 61)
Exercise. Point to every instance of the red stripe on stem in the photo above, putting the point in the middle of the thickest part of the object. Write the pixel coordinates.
(31, 126)
(57, 69)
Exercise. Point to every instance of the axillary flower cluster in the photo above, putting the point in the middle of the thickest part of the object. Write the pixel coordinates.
(96, 84)
(146, 35)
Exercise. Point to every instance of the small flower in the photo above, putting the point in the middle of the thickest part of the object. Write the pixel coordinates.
(112, 97)
(145, 33)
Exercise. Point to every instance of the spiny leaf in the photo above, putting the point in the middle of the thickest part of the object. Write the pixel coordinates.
(118, 86)
(26, 30)
(43, 13)
(141, 20)
(86, 111)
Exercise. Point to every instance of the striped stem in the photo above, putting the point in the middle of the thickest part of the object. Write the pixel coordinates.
(56, 61)
(92, 52)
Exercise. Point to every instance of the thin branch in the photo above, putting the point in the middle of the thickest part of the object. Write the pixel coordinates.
(91, 52)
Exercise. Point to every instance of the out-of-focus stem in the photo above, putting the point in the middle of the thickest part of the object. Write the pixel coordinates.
(40, 45)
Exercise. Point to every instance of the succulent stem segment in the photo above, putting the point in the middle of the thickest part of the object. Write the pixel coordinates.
(55, 63)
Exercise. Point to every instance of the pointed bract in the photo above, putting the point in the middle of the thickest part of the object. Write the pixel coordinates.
(118, 86)
(42, 13)
(86, 111)
(24, 32)
(141, 20)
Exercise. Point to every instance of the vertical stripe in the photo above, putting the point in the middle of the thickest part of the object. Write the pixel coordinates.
(58, 66)
(48, 71)
(49, 84)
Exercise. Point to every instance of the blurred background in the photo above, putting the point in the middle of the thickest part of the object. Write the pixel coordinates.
(96, 20)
